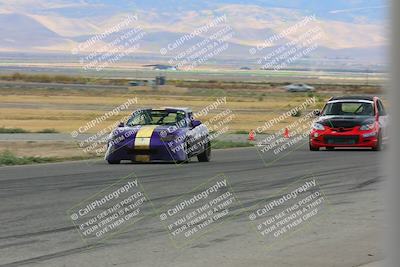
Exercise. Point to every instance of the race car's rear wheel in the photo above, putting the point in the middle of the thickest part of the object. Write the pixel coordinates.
(205, 156)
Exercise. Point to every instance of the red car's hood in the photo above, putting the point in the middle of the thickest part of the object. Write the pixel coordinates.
(345, 121)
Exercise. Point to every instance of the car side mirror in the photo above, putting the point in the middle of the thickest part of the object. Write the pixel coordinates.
(121, 124)
(317, 113)
(195, 123)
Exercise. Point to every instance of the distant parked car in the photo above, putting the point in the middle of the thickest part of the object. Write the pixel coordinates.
(299, 87)
(137, 83)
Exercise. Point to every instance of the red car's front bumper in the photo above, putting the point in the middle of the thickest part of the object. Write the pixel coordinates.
(354, 137)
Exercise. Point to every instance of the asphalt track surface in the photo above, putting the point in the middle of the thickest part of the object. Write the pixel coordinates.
(36, 231)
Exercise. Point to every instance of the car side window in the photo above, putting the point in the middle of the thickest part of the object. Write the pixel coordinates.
(181, 119)
(381, 109)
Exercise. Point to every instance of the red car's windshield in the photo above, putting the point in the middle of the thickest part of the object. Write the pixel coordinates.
(349, 109)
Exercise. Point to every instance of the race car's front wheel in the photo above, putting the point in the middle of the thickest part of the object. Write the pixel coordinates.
(313, 148)
(378, 146)
(205, 156)
(113, 161)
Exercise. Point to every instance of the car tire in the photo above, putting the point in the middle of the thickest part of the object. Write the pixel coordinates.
(205, 156)
(379, 145)
(110, 161)
(313, 148)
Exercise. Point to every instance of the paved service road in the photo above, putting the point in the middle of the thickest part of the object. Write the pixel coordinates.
(36, 231)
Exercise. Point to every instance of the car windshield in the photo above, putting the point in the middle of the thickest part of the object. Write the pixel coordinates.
(157, 117)
(349, 109)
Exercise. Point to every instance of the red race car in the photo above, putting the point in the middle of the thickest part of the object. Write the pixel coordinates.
(350, 121)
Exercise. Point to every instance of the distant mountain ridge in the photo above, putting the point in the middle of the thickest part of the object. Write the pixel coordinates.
(353, 28)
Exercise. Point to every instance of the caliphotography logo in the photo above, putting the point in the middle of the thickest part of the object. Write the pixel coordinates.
(300, 204)
(200, 211)
(277, 144)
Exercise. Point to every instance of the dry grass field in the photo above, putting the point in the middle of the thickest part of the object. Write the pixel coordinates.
(66, 109)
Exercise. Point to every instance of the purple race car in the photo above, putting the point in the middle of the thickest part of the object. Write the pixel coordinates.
(167, 134)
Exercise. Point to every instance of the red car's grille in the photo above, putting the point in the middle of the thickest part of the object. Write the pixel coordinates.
(342, 123)
(341, 130)
(341, 140)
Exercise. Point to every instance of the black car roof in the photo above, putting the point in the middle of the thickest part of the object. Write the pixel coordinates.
(354, 97)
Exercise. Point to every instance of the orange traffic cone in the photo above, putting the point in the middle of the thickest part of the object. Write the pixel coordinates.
(252, 136)
(286, 133)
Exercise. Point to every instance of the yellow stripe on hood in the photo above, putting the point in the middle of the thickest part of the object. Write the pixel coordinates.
(143, 136)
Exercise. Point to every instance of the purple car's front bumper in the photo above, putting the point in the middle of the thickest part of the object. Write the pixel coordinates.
(156, 151)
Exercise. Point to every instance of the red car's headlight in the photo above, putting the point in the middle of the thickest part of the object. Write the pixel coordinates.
(318, 126)
(367, 127)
